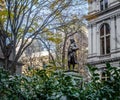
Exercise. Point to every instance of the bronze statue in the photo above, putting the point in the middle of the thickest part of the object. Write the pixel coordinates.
(72, 57)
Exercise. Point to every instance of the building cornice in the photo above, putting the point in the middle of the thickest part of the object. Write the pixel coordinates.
(90, 17)
(104, 61)
(104, 58)
(105, 17)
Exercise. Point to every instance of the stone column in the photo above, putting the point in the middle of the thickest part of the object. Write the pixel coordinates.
(118, 30)
(112, 35)
(94, 39)
(90, 7)
(94, 6)
(98, 5)
(98, 41)
(89, 40)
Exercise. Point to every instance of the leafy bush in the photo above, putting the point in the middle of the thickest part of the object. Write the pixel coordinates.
(97, 89)
(53, 85)
(37, 85)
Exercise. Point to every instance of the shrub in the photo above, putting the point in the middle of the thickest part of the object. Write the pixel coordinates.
(97, 89)
(37, 86)
(53, 85)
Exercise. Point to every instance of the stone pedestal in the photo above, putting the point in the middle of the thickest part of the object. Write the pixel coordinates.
(74, 74)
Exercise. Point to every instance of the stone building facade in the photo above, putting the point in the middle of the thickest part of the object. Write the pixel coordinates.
(104, 32)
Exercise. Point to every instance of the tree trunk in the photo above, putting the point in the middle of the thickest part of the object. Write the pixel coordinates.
(51, 57)
(63, 54)
(6, 61)
(13, 67)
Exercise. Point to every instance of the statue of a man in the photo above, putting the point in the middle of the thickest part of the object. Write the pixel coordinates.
(72, 57)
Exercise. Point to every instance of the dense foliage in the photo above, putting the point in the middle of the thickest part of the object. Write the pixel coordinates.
(37, 85)
(48, 85)
(98, 89)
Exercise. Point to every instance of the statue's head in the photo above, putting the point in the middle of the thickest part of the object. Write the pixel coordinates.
(72, 40)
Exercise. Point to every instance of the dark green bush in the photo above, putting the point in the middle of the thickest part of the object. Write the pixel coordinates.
(97, 89)
(53, 85)
(37, 85)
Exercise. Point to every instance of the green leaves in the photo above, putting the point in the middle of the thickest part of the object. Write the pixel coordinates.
(38, 85)
(103, 90)
(54, 85)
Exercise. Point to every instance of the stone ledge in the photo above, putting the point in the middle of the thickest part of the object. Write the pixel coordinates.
(75, 74)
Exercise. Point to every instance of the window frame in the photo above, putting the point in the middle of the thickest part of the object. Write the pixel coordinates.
(104, 76)
(103, 4)
(104, 47)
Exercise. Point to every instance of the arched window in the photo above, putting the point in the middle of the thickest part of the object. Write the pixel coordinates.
(103, 4)
(105, 39)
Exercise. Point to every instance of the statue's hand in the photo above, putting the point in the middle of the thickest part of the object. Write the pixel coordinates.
(75, 48)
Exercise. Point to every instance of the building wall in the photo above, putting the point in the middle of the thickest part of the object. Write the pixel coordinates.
(96, 18)
(94, 5)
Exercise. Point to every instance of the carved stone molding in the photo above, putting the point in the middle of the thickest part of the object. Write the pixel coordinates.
(104, 61)
(112, 17)
(118, 15)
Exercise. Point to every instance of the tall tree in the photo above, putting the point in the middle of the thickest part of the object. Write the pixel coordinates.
(72, 28)
(24, 20)
(49, 41)
(71, 16)
(72, 20)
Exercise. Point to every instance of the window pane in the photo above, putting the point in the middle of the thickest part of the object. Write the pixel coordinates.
(101, 5)
(103, 76)
(107, 44)
(102, 30)
(106, 4)
(102, 46)
(107, 29)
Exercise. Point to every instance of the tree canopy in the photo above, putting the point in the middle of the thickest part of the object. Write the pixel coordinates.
(22, 21)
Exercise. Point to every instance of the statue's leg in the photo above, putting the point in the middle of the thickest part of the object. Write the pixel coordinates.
(76, 59)
(73, 66)
(68, 66)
